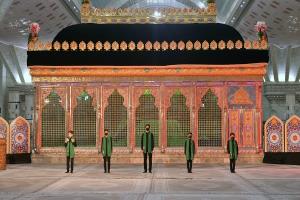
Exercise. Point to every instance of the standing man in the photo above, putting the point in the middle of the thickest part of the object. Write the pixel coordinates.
(106, 150)
(147, 145)
(189, 151)
(233, 151)
(70, 144)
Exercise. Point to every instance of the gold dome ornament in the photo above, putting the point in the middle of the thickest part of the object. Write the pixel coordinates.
(238, 44)
(148, 46)
(173, 45)
(56, 46)
(164, 45)
(115, 46)
(189, 45)
(140, 45)
(205, 45)
(247, 44)
(256, 45)
(131, 46)
(156, 46)
(74, 45)
(65, 46)
(197, 45)
(107, 46)
(181, 45)
(264, 44)
(222, 45)
(48, 46)
(82, 46)
(213, 45)
(90, 46)
(123, 46)
(230, 45)
(98, 46)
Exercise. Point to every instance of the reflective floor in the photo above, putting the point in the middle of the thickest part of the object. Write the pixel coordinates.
(169, 182)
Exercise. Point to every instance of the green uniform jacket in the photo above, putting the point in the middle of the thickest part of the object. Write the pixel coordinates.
(106, 146)
(147, 143)
(233, 149)
(189, 149)
(70, 148)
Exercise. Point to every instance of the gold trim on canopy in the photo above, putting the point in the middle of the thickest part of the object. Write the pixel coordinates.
(90, 14)
(253, 69)
(141, 46)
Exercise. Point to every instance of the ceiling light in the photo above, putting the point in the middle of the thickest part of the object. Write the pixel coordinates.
(201, 5)
(157, 14)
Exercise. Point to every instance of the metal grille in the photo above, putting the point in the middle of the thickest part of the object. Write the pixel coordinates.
(53, 122)
(209, 121)
(146, 113)
(85, 121)
(178, 121)
(115, 119)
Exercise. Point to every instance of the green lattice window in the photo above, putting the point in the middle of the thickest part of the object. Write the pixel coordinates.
(178, 120)
(115, 119)
(147, 113)
(84, 119)
(209, 121)
(53, 122)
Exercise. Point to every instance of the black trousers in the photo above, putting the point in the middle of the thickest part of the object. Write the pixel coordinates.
(232, 165)
(68, 163)
(106, 159)
(189, 165)
(150, 161)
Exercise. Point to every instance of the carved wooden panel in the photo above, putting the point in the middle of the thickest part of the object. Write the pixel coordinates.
(4, 132)
(274, 135)
(247, 135)
(292, 134)
(19, 136)
(234, 123)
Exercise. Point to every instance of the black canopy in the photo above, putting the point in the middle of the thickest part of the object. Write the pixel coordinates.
(146, 32)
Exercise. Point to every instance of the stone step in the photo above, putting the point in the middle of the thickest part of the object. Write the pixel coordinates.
(137, 158)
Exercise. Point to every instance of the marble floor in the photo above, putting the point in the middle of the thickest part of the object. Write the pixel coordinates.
(169, 182)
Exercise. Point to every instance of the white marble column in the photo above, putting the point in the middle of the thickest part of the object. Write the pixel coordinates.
(29, 103)
(13, 105)
(290, 102)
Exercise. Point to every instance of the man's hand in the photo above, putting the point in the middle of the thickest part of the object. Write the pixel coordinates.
(72, 140)
(66, 140)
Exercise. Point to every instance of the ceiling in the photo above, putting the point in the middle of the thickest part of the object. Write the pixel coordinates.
(281, 16)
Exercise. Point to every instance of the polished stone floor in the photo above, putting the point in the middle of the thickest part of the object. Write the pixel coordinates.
(167, 182)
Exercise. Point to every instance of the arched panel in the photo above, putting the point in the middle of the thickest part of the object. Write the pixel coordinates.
(53, 121)
(4, 132)
(146, 113)
(84, 121)
(116, 119)
(274, 140)
(178, 120)
(209, 121)
(292, 134)
(19, 136)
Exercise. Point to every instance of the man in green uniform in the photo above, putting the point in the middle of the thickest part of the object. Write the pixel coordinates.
(189, 151)
(233, 151)
(106, 150)
(70, 143)
(147, 145)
